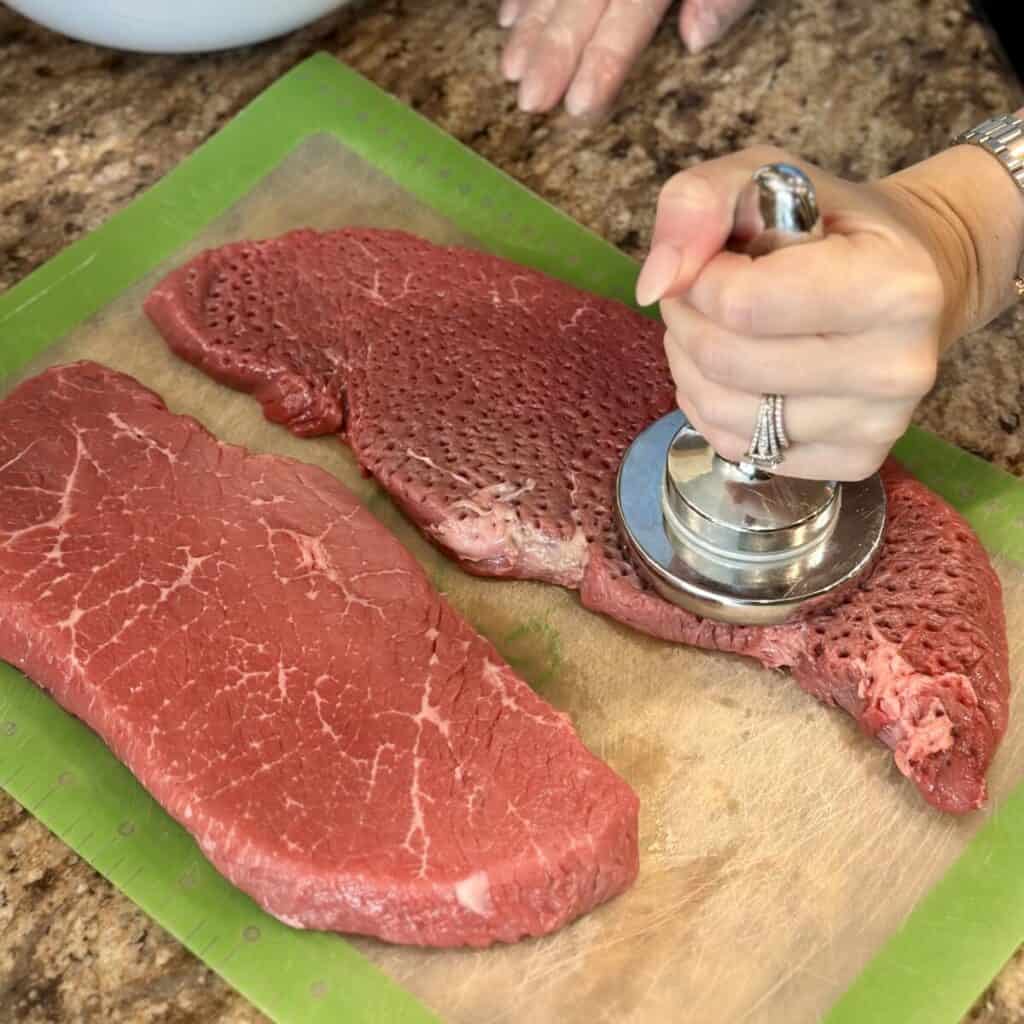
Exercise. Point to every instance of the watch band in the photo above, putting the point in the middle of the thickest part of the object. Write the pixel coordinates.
(1003, 137)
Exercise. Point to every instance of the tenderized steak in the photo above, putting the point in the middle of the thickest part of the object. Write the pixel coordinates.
(494, 404)
(278, 672)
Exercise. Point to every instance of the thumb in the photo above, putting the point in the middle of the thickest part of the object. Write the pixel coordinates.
(695, 218)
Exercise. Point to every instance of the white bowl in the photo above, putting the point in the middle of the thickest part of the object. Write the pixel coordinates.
(173, 26)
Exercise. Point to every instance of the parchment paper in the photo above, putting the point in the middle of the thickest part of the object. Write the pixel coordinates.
(779, 847)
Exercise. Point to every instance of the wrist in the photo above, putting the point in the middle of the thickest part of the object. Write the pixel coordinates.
(970, 213)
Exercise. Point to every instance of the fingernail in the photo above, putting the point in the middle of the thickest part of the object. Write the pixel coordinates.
(580, 97)
(514, 64)
(531, 94)
(704, 32)
(659, 271)
(508, 13)
(695, 41)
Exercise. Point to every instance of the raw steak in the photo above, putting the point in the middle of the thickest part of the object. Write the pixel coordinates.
(494, 404)
(279, 673)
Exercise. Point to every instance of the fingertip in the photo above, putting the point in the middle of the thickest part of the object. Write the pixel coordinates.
(658, 274)
(729, 446)
(530, 95)
(579, 101)
(513, 61)
(699, 25)
(537, 93)
(694, 40)
(508, 13)
(512, 71)
(689, 32)
(597, 81)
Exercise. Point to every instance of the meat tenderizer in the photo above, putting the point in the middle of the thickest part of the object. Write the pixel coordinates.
(729, 540)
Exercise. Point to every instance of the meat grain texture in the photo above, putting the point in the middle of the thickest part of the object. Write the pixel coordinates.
(279, 673)
(494, 404)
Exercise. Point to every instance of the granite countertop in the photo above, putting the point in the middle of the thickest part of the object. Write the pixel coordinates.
(861, 89)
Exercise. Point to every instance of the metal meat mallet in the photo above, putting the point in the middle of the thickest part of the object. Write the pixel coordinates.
(728, 540)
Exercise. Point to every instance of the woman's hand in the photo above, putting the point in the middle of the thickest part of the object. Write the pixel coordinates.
(588, 46)
(848, 328)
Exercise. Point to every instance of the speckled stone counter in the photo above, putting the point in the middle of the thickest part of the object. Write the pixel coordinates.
(860, 88)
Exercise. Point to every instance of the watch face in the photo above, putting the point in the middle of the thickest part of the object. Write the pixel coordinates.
(996, 16)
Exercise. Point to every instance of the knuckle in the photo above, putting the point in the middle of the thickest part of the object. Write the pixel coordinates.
(709, 410)
(694, 400)
(707, 416)
(869, 431)
(690, 188)
(923, 377)
(865, 463)
(687, 405)
(727, 445)
(534, 18)
(528, 31)
(605, 61)
(764, 153)
(559, 39)
(912, 377)
(877, 432)
(916, 377)
(883, 431)
(925, 294)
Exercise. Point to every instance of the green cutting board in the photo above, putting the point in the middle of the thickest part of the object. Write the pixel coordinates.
(929, 971)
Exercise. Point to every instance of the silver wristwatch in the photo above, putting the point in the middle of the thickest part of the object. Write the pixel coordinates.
(1003, 137)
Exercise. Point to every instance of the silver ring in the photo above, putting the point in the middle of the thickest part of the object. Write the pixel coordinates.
(770, 440)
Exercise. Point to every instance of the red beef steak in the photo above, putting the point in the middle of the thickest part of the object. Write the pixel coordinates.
(278, 672)
(495, 403)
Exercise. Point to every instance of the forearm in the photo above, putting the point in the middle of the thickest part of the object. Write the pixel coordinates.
(973, 213)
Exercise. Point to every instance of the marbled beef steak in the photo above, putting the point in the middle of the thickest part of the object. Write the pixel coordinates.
(495, 403)
(278, 672)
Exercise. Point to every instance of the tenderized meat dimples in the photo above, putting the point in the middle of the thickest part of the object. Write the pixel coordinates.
(279, 673)
(494, 404)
